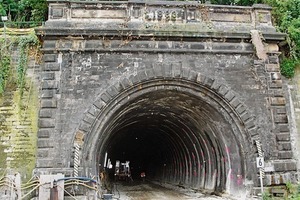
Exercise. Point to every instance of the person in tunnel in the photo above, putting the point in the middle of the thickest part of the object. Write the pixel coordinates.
(143, 176)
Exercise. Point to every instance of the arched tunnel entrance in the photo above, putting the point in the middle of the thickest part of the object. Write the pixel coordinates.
(175, 131)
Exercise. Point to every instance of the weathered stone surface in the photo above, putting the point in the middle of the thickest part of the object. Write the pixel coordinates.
(272, 67)
(46, 123)
(195, 83)
(47, 76)
(49, 103)
(285, 166)
(277, 101)
(49, 57)
(45, 143)
(283, 136)
(47, 93)
(44, 133)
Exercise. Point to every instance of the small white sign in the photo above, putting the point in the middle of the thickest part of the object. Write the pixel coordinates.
(4, 18)
(260, 163)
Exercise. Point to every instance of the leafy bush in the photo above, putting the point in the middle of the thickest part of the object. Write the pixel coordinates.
(287, 67)
(4, 71)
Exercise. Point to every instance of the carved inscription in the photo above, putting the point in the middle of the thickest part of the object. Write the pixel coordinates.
(166, 15)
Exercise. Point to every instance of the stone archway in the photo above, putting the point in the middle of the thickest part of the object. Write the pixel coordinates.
(195, 131)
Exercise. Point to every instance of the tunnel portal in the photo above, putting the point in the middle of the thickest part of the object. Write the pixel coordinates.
(175, 131)
(190, 93)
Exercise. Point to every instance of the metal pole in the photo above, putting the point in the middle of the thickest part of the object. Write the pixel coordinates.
(4, 34)
(261, 182)
(4, 19)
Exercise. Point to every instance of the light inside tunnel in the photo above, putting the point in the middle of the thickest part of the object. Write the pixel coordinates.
(176, 137)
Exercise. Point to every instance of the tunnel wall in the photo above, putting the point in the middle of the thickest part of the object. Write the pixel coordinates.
(88, 63)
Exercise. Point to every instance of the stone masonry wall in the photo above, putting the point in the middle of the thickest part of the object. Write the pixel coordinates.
(87, 49)
(18, 122)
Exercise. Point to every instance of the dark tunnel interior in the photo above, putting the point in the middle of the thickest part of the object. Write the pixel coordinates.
(176, 138)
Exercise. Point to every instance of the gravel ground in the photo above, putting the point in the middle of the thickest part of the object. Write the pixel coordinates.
(150, 191)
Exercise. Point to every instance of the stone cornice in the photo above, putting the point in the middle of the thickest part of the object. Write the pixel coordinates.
(157, 19)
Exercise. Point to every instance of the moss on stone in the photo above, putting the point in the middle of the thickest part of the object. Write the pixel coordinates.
(18, 141)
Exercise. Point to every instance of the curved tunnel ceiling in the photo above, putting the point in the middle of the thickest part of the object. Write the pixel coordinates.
(175, 137)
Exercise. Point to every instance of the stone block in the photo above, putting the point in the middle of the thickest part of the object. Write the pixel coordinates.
(193, 76)
(283, 136)
(134, 79)
(167, 70)
(95, 111)
(44, 163)
(275, 76)
(85, 127)
(125, 83)
(48, 84)
(208, 82)
(51, 103)
(43, 133)
(223, 90)
(49, 44)
(249, 124)
(280, 119)
(245, 116)
(215, 86)
(284, 146)
(47, 94)
(48, 76)
(285, 166)
(280, 111)
(282, 128)
(253, 132)
(235, 103)
(89, 118)
(200, 78)
(49, 57)
(46, 113)
(93, 44)
(185, 72)
(176, 70)
(44, 143)
(273, 59)
(46, 123)
(105, 97)
(51, 67)
(42, 153)
(197, 46)
(277, 92)
(99, 104)
(277, 101)
(272, 67)
(56, 12)
(285, 154)
(229, 96)
(142, 75)
(157, 68)
(275, 84)
(112, 91)
(241, 109)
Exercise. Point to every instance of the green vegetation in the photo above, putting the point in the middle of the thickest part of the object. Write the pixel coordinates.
(24, 10)
(23, 44)
(19, 97)
(4, 70)
(286, 17)
(236, 2)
